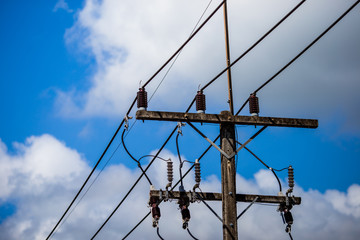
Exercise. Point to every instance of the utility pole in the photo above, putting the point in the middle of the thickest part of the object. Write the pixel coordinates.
(228, 183)
(228, 196)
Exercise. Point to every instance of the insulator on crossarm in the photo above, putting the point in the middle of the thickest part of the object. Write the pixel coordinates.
(200, 102)
(197, 172)
(291, 177)
(170, 175)
(142, 99)
(254, 105)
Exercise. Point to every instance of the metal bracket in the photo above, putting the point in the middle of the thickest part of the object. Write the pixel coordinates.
(126, 118)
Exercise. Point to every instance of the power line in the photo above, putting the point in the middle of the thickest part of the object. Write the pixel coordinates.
(137, 161)
(309, 46)
(136, 182)
(291, 61)
(249, 49)
(185, 43)
(177, 56)
(321, 35)
(92, 171)
(122, 122)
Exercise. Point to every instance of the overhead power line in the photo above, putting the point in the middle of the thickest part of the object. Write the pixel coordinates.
(249, 49)
(128, 112)
(257, 89)
(302, 52)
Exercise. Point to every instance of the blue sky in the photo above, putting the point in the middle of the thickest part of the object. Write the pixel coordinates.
(70, 69)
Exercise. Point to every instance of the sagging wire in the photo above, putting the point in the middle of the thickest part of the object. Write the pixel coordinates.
(267, 166)
(137, 161)
(188, 230)
(158, 233)
(172, 188)
(133, 186)
(179, 132)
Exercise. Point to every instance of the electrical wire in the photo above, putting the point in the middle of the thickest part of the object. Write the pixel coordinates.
(165, 160)
(188, 230)
(137, 161)
(247, 208)
(185, 43)
(249, 49)
(309, 46)
(137, 225)
(122, 122)
(177, 56)
(88, 177)
(187, 172)
(267, 166)
(136, 182)
(181, 163)
(291, 236)
(158, 233)
(208, 206)
(240, 56)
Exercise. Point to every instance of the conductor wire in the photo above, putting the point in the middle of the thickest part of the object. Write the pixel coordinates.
(188, 230)
(181, 163)
(158, 233)
(138, 162)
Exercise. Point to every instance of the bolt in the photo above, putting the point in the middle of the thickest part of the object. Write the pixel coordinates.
(230, 193)
(231, 225)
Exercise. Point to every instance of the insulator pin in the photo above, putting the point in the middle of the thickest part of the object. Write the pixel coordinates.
(254, 105)
(197, 172)
(142, 99)
(291, 177)
(170, 175)
(200, 102)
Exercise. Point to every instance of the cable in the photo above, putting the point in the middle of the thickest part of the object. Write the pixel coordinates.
(291, 236)
(202, 155)
(112, 139)
(242, 213)
(157, 231)
(177, 56)
(271, 169)
(181, 163)
(188, 230)
(137, 225)
(259, 42)
(309, 46)
(137, 161)
(249, 49)
(136, 182)
(166, 160)
(185, 43)
(210, 208)
(88, 177)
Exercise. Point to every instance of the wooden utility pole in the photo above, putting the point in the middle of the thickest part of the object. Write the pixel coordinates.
(227, 122)
(228, 183)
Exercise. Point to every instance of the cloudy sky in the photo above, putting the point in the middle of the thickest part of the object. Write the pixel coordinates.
(70, 70)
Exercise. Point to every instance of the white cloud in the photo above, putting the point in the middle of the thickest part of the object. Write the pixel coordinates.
(42, 175)
(61, 4)
(129, 40)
